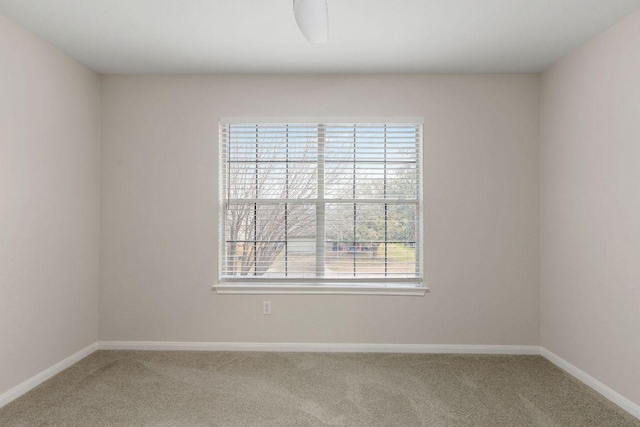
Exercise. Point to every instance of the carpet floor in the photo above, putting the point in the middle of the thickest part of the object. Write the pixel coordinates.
(162, 388)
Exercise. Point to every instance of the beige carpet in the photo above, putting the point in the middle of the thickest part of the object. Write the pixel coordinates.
(135, 388)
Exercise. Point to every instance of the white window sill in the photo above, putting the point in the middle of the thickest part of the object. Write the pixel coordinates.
(306, 289)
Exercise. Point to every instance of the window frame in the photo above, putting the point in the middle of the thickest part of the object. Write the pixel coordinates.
(320, 286)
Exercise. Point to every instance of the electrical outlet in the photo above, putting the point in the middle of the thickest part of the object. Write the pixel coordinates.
(266, 307)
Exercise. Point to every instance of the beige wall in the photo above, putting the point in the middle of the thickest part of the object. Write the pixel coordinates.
(590, 208)
(49, 205)
(159, 223)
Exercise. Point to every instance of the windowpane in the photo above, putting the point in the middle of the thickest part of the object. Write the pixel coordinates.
(339, 222)
(401, 223)
(270, 240)
(402, 181)
(401, 260)
(241, 180)
(324, 201)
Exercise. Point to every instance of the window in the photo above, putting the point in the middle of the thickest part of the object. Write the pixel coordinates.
(320, 207)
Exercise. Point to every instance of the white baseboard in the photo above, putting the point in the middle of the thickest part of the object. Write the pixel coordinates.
(607, 392)
(38, 379)
(320, 347)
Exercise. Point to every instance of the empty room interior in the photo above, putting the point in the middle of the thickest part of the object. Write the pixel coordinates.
(320, 212)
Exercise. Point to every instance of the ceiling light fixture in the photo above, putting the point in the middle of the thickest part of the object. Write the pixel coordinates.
(312, 17)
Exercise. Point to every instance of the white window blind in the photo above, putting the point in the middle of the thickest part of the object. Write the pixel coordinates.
(333, 204)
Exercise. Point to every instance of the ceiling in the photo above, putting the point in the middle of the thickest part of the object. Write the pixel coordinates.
(365, 36)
